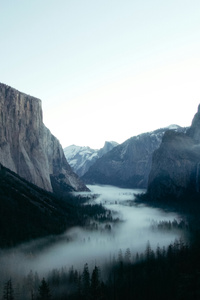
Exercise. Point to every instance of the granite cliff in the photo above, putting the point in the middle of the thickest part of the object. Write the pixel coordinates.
(175, 171)
(28, 148)
(128, 164)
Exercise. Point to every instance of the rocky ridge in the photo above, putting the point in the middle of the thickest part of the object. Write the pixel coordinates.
(175, 171)
(27, 147)
(128, 164)
(82, 158)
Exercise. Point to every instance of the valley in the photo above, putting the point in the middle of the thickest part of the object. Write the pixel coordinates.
(135, 209)
(131, 228)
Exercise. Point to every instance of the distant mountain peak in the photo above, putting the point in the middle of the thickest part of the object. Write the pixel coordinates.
(81, 158)
(173, 126)
(128, 164)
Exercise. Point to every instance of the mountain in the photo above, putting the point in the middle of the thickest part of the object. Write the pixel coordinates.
(128, 164)
(28, 148)
(27, 211)
(81, 158)
(175, 171)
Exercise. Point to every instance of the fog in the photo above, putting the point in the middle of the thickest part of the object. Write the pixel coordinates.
(79, 246)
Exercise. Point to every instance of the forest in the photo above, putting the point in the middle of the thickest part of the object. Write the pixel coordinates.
(166, 273)
(28, 212)
(171, 272)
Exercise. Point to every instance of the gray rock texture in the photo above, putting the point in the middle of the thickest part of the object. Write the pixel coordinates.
(176, 164)
(27, 147)
(128, 164)
(82, 158)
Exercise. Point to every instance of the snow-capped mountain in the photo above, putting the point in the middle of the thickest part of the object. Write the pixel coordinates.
(129, 164)
(81, 158)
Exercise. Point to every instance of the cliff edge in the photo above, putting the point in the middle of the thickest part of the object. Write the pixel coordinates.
(28, 148)
(175, 171)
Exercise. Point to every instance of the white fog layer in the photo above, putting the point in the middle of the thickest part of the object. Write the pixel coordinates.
(79, 246)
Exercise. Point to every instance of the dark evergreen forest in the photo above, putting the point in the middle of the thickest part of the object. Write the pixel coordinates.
(167, 273)
(28, 212)
(171, 272)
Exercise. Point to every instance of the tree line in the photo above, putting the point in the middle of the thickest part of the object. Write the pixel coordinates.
(171, 272)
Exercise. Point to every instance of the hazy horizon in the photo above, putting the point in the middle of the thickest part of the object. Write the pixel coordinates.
(104, 70)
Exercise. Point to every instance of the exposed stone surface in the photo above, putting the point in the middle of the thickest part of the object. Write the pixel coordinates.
(82, 158)
(27, 147)
(128, 164)
(176, 164)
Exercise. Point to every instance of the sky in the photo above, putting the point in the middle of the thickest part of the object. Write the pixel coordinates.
(104, 69)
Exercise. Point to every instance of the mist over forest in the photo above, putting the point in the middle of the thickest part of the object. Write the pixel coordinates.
(83, 222)
(62, 239)
(133, 229)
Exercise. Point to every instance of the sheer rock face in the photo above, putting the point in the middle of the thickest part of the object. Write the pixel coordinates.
(27, 147)
(176, 164)
(129, 164)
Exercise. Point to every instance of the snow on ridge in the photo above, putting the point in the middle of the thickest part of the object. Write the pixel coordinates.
(173, 126)
(81, 158)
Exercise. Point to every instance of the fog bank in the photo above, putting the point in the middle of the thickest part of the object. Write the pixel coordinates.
(79, 246)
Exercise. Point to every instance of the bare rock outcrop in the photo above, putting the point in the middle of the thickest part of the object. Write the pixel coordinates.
(128, 164)
(27, 147)
(175, 171)
(82, 158)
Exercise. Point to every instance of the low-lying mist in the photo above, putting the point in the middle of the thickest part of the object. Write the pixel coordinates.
(94, 246)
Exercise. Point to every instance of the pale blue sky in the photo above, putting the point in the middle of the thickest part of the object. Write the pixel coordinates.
(104, 70)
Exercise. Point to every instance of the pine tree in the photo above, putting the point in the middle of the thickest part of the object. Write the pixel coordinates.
(95, 284)
(79, 286)
(36, 281)
(30, 284)
(120, 256)
(149, 254)
(86, 282)
(44, 291)
(127, 256)
(8, 292)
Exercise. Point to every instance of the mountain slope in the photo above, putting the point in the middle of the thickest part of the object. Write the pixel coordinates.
(81, 158)
(127, 165)
(175, 169)
(27, 211)
(27, 147)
